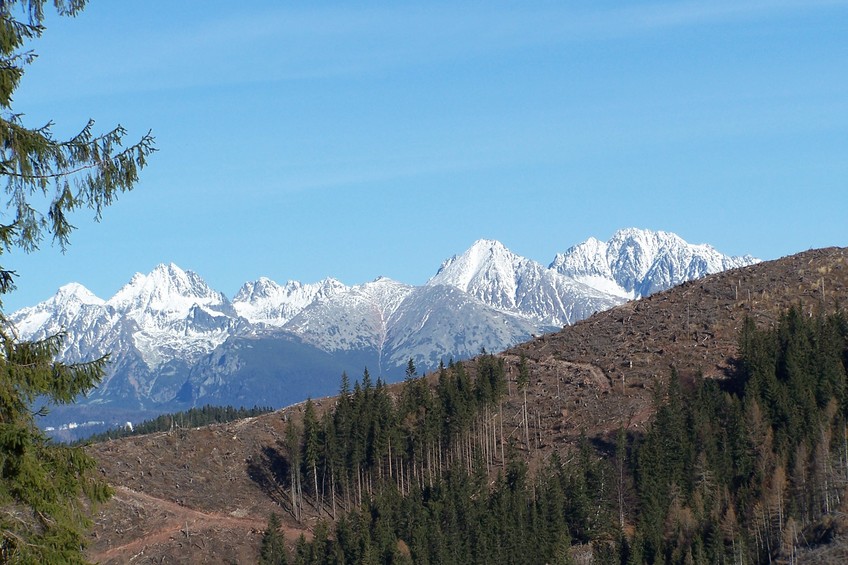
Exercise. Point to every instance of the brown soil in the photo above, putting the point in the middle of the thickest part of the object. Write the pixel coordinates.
(188, 496)
(204, 495)
(604, 372)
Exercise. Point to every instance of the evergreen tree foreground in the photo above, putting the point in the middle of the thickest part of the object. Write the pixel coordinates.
(46, 490)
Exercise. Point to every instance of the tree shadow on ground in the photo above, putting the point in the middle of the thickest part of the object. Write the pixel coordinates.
(271, 471)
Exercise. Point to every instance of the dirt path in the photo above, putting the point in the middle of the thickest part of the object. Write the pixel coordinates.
(183, 522)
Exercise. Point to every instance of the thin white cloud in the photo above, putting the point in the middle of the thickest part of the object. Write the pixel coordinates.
(290, 44)
(667, 15)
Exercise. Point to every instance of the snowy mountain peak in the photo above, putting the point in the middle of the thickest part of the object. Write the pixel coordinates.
(266, 302)
(168, 327)
(52, 315)
(487, 261)
(262, 288)
(487, 245)
(483, 248)
(77, 293)
(178, 281)
(382, 279)
(499, 278)
(166, 294)
(383, 293)
(644, 235)
(637, 262)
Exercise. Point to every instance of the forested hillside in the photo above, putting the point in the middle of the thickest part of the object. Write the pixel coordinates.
(751, 469)
(703, 424)
(191, 418)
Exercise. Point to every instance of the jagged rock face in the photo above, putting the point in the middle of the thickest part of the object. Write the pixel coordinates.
(355, 320)
(438, 322)
(636, 263)
(174, 341)
(502, 280)
(264, 301)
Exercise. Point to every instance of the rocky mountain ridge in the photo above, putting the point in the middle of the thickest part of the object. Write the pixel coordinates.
(587, 380)
(175, 342)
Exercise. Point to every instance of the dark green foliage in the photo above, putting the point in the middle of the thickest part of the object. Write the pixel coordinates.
(273, 548)
(461, 519)
(523, 373)
(44, 180)
(191, 418)
(415, 475)
(728, 472)
(665, 461)
(411, 372)
(87, 171)
(722, 474)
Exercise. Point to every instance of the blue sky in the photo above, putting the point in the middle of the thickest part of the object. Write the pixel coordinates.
(305, 140)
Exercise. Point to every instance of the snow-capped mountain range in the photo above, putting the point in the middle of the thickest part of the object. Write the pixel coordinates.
(636, 263)
(175, 342)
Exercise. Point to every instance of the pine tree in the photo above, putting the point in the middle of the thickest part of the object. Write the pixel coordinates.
(292, 442)
(411, 371)
(43, 486)
(310, 451)
(273, 548)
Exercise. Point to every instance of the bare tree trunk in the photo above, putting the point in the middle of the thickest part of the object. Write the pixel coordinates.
(390, 460)
(526, 424)
(538, 430)
(299, 495)
(333, 486)
(294, 494)
(768, 536)
(440, 456)
(429, 468)
(503, 458)
(315, 485)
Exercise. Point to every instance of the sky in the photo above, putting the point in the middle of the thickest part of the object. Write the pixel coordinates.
(300, 140)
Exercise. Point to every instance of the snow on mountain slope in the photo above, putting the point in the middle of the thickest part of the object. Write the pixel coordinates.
(75, 309)
(639, 262)
(177, 315)
(172, 314)
(505, 281)
(487, 270)
(439, 322)
(174, 341)
(353, 320)
(65, 305)
(167, 294)
(266, 302)
(167, 314)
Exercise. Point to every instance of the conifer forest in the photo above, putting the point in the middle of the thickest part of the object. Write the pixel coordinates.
(748, 469)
